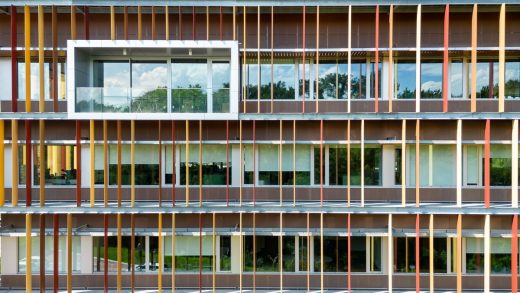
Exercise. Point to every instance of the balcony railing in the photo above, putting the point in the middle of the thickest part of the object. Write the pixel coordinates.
(150, 100)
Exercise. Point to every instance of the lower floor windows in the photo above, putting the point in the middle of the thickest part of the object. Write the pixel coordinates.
(404, 255)
(500, 255)
(335, 254)
(189, 255)
(268, 254)
(49, 254)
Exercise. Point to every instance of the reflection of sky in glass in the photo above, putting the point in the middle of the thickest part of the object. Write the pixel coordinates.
(512, 71)
(251, 72)
(456, 81)
(327, 75)
(284, 73)
(116, 74)
(326, 69)
(300, 78)
(431, 76)
(35, 80)
(513, 77)
(342, 70)
(405, 76)
(220, 75)
(483, 75)
(185, 75)
(358, 80)
(149, 75)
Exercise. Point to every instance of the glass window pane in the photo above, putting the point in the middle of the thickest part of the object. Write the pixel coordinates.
(225, 253)
(35, 80)
(487, 79)
(376, 254)
(284, 73)
(146, 164)
(358, 80)
(303, 253)
(189, 85)
(213, 164)
(404, 256)
(288, 247)
(98, 164)
(500, 165)
(373, 79)
(303, 164)
(114, 79)
(99, 253)
(404, 76)
(268, 164)
(338, 165)
(443, 169)
(60, 165)
(342, 79)
(472, 164)
(301, 74)
(334, 254)
(328, 79)
(456, 79)
(149, 86)
(252, 72)
(512, 82)
(474, 255)
(267, 253)
(431, 80)
(187, 253)
(220, 83)
(49, 254)
(424, 165)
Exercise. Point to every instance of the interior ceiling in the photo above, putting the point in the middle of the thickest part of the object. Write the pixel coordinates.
(157, 52)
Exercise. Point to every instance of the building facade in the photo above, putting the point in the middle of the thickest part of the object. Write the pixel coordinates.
(270, 145)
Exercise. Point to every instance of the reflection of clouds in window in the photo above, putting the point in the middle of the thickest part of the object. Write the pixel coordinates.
(220, 75)
(35, 80)
(284, 73)
(151, 75)
(431, 80)
(431, 85)
(116, 75)
(456, 82)
(326, 69)
(512, 71)
(483, 74)
(431, 70)
(185, 75)
(405, 77)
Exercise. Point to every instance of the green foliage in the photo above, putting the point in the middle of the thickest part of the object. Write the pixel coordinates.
(153, 101)
(189, 100)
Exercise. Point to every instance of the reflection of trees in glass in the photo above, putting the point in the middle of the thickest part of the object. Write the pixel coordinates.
(153, 101)
(221, 99)
(191, 99)
(307, 87)
(212, 173)
(431, 94)
(328, 86)
(338, 166)
(280, 91)
(144, 174)
(405, 94)
(511, 89)
(85, 106)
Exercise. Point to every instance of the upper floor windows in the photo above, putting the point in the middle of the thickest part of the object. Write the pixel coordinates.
(329, 80)
(159, 77)
(53, 82)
